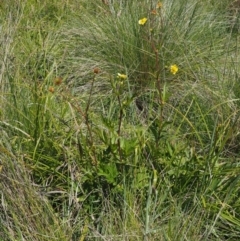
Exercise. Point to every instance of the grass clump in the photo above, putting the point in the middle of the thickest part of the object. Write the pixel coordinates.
(120, 121)
(25, 213)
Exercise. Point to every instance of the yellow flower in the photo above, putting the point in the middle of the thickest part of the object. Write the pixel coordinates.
(142, 21)
(122, 76)
(174, 69)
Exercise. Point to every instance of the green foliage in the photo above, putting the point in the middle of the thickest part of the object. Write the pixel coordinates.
(120, 127)
(25, 213)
